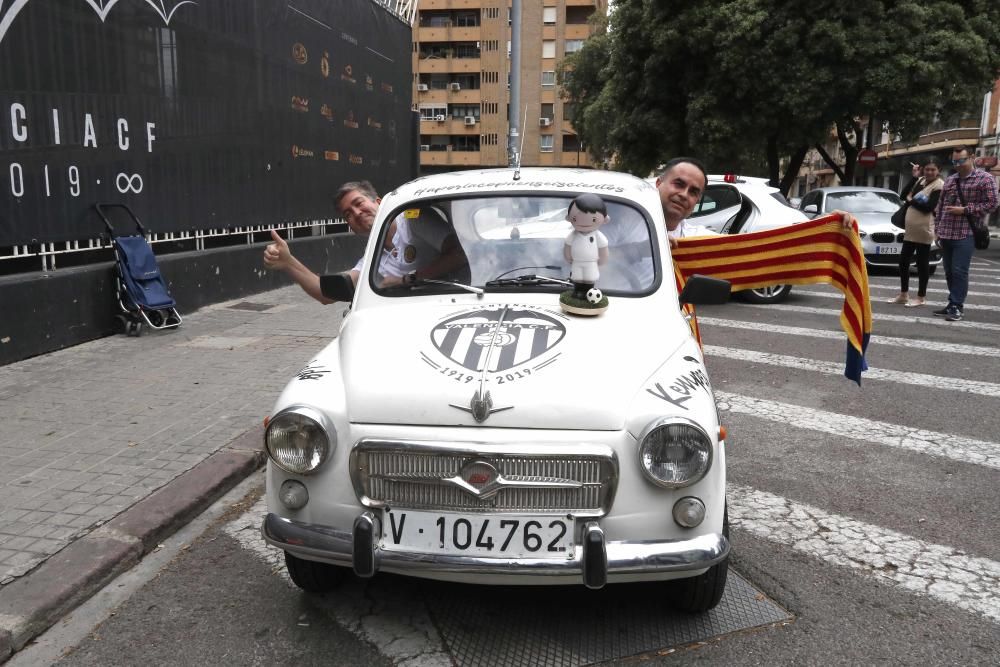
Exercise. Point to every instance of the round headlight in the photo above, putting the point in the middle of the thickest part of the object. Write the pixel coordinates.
(675, 452)
(297, 442)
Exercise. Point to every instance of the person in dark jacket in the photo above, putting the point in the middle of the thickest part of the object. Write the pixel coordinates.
(923, 193)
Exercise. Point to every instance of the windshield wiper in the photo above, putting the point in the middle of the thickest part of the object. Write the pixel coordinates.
(435, 281)
(526, 279)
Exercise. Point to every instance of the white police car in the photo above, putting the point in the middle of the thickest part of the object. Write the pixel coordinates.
(733, 204)
(463, 427)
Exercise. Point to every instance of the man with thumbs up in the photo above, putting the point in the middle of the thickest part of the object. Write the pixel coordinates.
(420, 244)
(358, 203)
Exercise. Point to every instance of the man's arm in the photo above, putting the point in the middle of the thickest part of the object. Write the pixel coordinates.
(277, 256)
(988, 190)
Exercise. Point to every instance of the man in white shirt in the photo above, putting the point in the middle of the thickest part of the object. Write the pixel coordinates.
(680, 186)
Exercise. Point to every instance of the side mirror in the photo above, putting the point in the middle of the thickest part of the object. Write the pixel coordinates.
(811, 209)
(702, 290)
(337, 286)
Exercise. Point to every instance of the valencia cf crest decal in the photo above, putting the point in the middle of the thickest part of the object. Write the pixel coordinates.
(474, 340)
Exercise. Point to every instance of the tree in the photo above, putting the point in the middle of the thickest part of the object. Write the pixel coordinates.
(749, 82)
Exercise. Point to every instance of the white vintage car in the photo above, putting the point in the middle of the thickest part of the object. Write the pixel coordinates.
(462, 427)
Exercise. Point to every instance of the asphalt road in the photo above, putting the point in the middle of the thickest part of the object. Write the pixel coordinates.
(869, 514)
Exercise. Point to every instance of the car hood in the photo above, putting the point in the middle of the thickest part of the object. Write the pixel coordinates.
(422, 364)
(871, 223)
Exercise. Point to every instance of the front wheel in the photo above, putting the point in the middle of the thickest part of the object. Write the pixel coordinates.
(699, 594)
(314, 577)
(769, 294)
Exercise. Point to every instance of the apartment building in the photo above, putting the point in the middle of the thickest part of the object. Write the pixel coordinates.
(461, 81)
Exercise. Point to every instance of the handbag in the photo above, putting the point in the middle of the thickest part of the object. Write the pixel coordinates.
(899, 217)
(980, 232)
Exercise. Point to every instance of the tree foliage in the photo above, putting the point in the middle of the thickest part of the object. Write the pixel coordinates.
(743, 83)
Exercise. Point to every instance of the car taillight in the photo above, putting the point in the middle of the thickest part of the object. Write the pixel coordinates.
(729, 178)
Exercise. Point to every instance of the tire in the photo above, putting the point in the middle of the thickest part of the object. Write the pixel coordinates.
(772, 294)
(314, 577)
(699, 594)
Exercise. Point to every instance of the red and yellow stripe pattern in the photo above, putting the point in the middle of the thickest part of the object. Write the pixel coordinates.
(817, 251)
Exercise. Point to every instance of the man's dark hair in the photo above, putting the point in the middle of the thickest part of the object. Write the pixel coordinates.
(681, 160)
(364, 187)
(959, 149)
(589, 203)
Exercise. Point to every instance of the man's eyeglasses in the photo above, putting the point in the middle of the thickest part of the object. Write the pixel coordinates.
(957, 161)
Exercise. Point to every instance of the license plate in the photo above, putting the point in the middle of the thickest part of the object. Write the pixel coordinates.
(887, 250)
(470, 535)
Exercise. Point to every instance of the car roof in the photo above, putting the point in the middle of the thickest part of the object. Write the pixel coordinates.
(756, 181)
(852, 188)
(543, 179)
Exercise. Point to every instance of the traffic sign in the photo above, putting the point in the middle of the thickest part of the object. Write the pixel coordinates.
(867, 158)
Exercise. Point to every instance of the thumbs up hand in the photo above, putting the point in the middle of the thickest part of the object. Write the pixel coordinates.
(276, 254)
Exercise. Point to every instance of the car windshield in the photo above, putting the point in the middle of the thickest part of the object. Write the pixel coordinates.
(504, 243)
(863, 201)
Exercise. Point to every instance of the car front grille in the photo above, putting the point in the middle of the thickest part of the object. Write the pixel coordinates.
(887, 237)
(533, 479)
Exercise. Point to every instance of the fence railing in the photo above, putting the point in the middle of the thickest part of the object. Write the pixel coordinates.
(51, 256)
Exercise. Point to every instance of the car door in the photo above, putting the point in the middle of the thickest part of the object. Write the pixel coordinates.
(719, 203)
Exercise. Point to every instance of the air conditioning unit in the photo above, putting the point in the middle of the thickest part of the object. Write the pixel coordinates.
(454, 86)
(470, 120)
(544, 122)
(422, 87)
(425, 147)
(439, 118)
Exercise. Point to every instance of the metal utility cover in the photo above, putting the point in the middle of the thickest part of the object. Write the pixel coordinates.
(555, 626)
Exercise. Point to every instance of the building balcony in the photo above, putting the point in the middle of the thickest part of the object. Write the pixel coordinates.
(448, 126)
(465, 96)
(450, 158)
(446, 65)
(433, 95)
(439, 5)
(577, 31)
(956, 136)
(447, 34)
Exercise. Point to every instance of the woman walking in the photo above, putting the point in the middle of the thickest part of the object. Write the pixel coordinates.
(923, 193)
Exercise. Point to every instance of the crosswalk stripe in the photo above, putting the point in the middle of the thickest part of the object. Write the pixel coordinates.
(945, 445)
(935, 570)
(930, 345)
(968, 306)
(912, 319)
(831, 368)
(942, 292)
(895, 283)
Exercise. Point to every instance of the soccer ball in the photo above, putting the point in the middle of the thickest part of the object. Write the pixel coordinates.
(594, 295)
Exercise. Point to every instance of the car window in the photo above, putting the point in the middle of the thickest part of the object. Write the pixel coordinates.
(863, 201)
(487, 238)
(716, 198)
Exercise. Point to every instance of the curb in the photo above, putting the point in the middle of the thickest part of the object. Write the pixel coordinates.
(35, 602)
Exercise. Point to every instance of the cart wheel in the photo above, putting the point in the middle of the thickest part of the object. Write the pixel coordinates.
(156, 317)
(138, 329)
(124, 322)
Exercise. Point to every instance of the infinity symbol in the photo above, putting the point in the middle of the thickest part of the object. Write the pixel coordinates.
(132, 183)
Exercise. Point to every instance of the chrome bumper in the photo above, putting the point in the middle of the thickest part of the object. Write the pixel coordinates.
(591, 564)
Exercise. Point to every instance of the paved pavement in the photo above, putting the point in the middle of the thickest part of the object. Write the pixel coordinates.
(110, 446)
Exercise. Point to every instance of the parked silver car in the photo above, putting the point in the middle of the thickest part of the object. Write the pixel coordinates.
(873, 207)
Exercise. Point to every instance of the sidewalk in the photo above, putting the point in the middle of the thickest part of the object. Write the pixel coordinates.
(91, 433)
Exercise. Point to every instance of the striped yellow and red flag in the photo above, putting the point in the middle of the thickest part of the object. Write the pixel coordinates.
(817, 251)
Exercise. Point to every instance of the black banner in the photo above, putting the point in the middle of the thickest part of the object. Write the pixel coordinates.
(207, 115)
